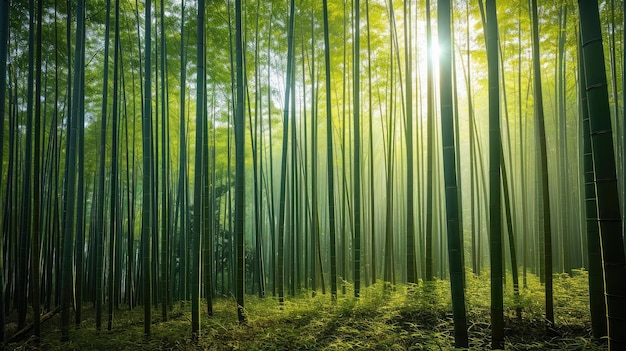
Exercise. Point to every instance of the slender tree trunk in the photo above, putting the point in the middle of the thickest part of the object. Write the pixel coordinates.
(272, 207)
(613, 67)
(198, 178)
(624, 124)
(314, 249)
(165, 205)
(10, 220)
(25, 226)
(539, 117)
(475, 219)
(411, 265)
(283, 172)
(610, 224)
(182, 173)
(563, 173)
(5, 6)
(147, 213)
(80, 202)
(389, 256)
(207, 220)
(597, 304)
(36, 229)
(511, 237)
(342, 145)
(240, 180)
(521, 143)
(130, 207)
(356, 183)
(114, 213)
(294, 229)
(457, 146)
(455, 257)
(256, 139)
(329, 159)
(70, 200)
(371, 148)
(495, 209)
(229, 207)
(430, 117)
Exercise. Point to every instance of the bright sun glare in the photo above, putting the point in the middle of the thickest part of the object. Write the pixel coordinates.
(435, 51)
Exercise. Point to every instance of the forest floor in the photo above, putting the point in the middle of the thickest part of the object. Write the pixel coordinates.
(406, 318)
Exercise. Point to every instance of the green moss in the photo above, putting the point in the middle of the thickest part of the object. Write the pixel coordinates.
(416, 317)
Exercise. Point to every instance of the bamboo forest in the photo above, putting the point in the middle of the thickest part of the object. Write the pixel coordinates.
(312, 174)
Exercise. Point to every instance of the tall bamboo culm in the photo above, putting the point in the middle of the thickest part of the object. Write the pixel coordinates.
(609, 215)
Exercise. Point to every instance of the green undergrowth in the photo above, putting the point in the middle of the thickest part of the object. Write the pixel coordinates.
(417, 317)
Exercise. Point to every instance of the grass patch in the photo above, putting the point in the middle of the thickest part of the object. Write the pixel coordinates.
(416, 317)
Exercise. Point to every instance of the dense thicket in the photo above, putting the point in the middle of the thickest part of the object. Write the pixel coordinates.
(159, 152)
